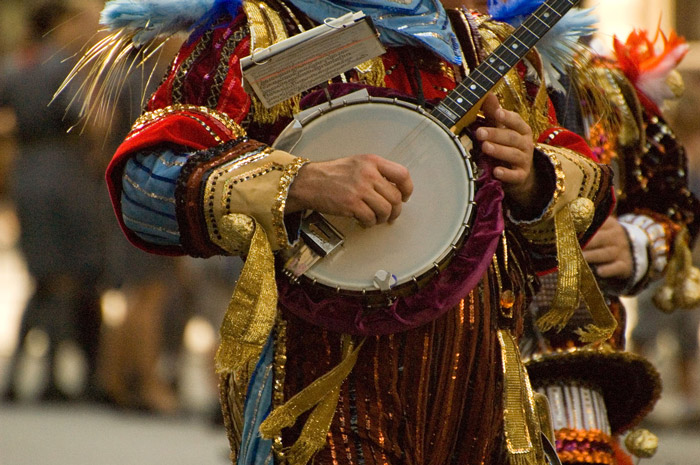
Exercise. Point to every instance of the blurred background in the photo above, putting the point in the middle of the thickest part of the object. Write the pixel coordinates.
(106, 353)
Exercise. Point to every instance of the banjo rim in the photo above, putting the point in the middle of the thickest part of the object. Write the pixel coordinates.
(371, 296)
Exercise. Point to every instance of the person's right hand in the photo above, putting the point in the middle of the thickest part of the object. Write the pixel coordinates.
(367, 187)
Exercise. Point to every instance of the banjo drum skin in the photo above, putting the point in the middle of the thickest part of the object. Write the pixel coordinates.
(433, 222)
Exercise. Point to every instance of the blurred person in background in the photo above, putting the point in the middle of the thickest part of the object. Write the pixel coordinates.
(69, 241)
(53, 185)
(140, 340)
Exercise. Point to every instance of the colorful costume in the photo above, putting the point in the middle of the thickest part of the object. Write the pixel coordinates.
(597, 394)
(420, 381)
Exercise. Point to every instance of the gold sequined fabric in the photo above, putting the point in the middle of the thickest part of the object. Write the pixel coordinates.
(252, 311)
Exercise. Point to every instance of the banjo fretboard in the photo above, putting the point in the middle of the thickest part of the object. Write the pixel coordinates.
(484, 77)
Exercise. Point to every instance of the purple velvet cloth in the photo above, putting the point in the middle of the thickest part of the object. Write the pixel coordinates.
(465, 270)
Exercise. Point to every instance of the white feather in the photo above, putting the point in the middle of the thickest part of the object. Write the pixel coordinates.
(561, 44)
(653, 83)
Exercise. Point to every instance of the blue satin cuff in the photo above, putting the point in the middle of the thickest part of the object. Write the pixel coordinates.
(148, 195)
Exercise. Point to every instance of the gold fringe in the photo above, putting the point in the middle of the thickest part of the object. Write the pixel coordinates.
(321, 395)
(575, 279)
(313, 436)
(264, 115)
(267, 28)
(253, 308)
(372, 72)
(520, 423)
(566, 299)
(609, 102)
(539, 117)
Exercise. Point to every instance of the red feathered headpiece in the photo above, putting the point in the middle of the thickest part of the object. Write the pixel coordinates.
(649, 67)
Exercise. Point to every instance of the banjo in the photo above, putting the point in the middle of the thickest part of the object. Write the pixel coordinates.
(336, 253)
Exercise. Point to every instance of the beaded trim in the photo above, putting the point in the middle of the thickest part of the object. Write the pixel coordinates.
(209, 194)
(543, 232)
(658, 241)
(243, 177)
(224, 64)
(559, 183)
(155, 115)
(186, 64)
(280, 365)
(585, 446)
(288, 176)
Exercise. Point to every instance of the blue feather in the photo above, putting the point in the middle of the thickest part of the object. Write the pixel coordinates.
(512, 11)
(560, 46)
(152, 18)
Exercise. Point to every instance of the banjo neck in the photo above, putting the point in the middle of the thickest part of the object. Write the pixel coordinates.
(460, 106)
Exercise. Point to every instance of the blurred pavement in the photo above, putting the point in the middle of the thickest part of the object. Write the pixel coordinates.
(82, 434)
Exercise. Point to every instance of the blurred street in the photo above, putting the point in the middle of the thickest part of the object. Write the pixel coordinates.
(84, 434)
(78, 434)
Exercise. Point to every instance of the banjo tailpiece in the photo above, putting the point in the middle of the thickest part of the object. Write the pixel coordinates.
(318, 239)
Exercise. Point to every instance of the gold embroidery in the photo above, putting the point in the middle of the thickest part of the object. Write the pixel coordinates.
(559, 183)
(213, 191)
(567, 165)
(575, 279)
(372, 72)
(155, 115)
(252, 311)
(238, 230)
(321, 398)
(520, 424)
(185, 66)
(280, 373)
(290, 173)
(224, 65)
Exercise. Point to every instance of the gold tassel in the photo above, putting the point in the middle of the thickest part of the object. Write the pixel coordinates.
(520, 422)
(681, 288)
(372, 72)
(575, 278)
(253, 308)
(321, 395)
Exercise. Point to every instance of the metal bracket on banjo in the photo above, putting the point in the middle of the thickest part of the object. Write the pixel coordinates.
(319, 238)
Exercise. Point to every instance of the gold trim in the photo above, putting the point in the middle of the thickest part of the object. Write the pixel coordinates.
(184, 68)
(143, 191)
(252, 311)
(520, 423)
(152, 116)
(288, 176)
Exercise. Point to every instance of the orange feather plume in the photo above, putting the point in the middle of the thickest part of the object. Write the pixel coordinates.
(649, 65)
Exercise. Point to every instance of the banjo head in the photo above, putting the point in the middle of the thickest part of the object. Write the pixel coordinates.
(432, 223)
